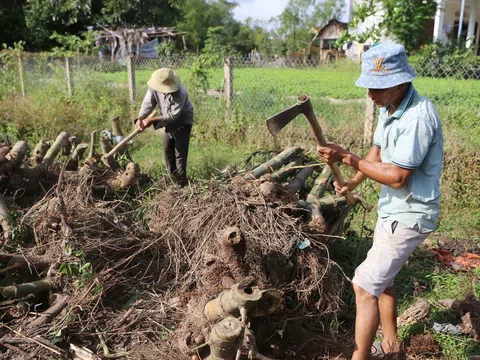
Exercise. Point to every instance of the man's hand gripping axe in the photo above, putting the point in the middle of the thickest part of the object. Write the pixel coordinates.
(303, 106)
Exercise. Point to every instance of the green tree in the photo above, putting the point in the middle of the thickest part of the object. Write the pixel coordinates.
(300, 16)
(404, 20)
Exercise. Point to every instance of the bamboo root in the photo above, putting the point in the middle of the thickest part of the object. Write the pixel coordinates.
(299, 180)
(244, 294)
(234, 248)
(39, 151)
(22, 290)
(4, 150)
(48, 315)
(128, 177)
(224, 339)
(61, 141)
(320, 186)
(286, 171)
(277, 162)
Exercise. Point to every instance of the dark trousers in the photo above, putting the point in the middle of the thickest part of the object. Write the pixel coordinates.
(175, 147)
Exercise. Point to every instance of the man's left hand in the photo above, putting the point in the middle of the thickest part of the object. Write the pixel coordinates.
(332, 153)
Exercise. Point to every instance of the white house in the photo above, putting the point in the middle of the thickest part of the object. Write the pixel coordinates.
(455, 19)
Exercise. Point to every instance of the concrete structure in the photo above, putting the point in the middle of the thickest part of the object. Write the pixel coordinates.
(455, 19)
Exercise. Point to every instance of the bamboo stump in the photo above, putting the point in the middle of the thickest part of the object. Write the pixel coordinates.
(61, 141)
(287, 170)
(224, 339)
(40, 151)
(298, 181)
(320, 185)
(22, 290)
(234, 249)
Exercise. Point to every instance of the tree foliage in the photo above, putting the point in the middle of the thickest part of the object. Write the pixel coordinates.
(300, 16)
(405, 20)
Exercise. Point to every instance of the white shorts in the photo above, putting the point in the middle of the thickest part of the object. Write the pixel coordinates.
(393, 243)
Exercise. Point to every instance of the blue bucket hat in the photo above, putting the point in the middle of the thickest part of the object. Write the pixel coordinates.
(385, 66)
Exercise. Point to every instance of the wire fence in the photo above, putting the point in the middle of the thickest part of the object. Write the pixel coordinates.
(245, 90)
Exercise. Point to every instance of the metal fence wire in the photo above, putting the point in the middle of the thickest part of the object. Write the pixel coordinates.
(251, 89)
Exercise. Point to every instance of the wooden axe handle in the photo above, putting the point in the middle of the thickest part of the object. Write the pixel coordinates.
(317, 131)
(128, 138)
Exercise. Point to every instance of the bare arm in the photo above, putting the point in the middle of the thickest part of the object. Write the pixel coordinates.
(371, 166)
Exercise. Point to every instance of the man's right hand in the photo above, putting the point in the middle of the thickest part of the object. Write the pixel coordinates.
(350, 185)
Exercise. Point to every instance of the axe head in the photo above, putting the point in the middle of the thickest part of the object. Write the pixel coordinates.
(277, 122)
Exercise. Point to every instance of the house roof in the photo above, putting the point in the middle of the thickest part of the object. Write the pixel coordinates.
(339, 26)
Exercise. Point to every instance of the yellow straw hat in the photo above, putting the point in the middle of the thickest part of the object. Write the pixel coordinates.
(164, 80)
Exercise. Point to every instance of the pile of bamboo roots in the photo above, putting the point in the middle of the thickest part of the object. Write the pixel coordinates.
(241, 270)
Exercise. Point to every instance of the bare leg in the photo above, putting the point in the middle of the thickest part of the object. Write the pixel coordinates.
(387, 304)
(366, 323)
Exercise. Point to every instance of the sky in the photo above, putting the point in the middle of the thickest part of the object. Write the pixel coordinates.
(260, 9)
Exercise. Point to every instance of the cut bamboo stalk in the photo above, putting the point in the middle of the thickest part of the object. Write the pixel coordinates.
(92, 151)
(76, 157)
(320, 185)
(105, 144)
(54, 150)
(38, 262)
(224, 339)
(16, 155)
(4, 219)
(22, 290)
(299, 180)
(286, 171)
(332, 202)
(244, 294)
(277, 162)
(116, 126)
(39, 151)
(61, 302)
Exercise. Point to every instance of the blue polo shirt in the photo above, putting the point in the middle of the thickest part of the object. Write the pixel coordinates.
(412, 139)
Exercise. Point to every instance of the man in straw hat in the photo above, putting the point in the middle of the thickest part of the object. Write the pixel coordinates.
(166, 92)
(406, 159)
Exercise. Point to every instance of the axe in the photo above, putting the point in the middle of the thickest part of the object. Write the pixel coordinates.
(303, 106)
(107, 158)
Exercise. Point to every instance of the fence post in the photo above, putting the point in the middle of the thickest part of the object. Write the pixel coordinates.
(228, 78)
(20, 73)
(69, 76)
(370, 110)
(131, 79)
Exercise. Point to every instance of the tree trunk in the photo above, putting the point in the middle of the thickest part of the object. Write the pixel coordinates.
(22, 290)
(61, 141)
(320, 186)
(39, 151)
(299, 180)
(286, 171)
(277, 162)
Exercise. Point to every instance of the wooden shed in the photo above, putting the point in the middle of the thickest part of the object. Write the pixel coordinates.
(330, 33)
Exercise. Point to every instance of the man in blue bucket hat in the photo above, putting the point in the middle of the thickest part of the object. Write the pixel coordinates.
(406, 158)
